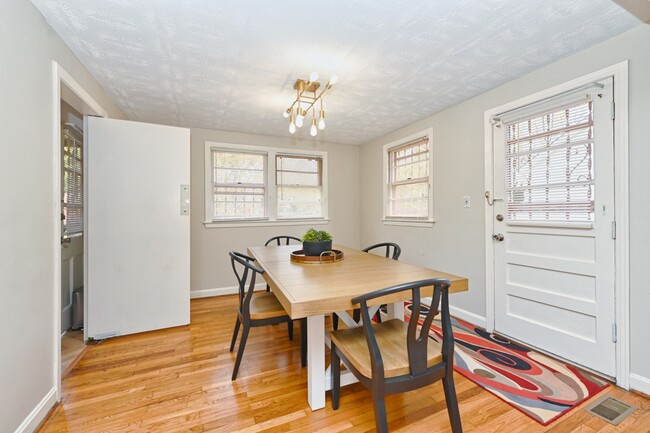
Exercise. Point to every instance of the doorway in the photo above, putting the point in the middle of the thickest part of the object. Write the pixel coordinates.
(71, 103)
(556, 222)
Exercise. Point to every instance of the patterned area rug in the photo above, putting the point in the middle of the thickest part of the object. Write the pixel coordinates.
(539, 386)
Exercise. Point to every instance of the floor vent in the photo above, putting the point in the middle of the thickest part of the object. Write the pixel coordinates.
(610, 409)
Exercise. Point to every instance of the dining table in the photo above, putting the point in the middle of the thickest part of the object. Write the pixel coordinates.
(318, 288)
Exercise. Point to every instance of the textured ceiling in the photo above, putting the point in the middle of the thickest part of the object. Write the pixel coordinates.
(231, 65)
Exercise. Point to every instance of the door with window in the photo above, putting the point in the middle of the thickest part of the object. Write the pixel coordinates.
(553, 228)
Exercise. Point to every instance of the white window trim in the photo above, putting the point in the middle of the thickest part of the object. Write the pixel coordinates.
(271, 218)
(406, 221)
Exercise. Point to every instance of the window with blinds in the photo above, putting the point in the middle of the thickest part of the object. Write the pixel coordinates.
(72, 205)
(238, 185)
(409, 180)
(299, 181)
(550, 167)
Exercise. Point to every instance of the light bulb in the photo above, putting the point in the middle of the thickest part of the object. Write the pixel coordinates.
(334, 79)
(286, 113)
(313, 130)
(292, 128)
(313, 77)
(299, 120)
(321, 124)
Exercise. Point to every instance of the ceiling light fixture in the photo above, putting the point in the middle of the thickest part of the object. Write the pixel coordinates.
(306, 99)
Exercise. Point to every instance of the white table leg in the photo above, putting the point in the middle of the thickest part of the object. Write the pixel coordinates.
(395, 310)
(316, 361)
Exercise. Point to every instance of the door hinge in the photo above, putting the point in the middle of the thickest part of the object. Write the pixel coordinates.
(613, 229)
(614, 339)
(612, 108)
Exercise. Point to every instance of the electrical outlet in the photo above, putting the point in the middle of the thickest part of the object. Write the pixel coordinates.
(466, 201)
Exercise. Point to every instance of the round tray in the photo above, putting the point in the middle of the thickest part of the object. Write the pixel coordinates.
(332, 256)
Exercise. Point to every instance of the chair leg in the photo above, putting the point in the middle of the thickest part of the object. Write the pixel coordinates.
(268, 288)
(335, 321)
(452, 402)
(290, 329)
(356, 315)
(234, 334)
(335, 370)
(380, 413)
(240, 352)
(303, 342)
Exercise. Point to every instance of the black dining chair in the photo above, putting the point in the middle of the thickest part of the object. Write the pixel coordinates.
(256, 309)
(394, 356)
(391, 250)
(282, 240)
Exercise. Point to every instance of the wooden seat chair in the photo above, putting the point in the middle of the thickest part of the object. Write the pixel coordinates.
(282, 240)
(391, 250)
(255, 309)
(393, 356)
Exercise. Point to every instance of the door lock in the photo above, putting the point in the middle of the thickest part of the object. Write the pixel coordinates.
(498, 237)
(499, 217)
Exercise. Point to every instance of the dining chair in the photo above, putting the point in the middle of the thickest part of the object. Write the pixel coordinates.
(393, 251)
(256, 309)
(395, 356)
(282, 240)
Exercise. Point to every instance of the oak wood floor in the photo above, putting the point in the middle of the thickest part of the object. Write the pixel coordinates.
(178, 380)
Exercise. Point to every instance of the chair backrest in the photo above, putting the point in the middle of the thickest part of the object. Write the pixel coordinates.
(416, 342)
(282, 240)
(392, 249)
(246, 272)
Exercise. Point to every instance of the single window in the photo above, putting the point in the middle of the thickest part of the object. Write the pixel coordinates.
(238, 184)
(549, 165)
(299, 181)
(408, 180)
(255, 184)
(72, 183)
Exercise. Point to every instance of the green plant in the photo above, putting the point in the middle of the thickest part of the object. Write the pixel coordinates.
(313, 235)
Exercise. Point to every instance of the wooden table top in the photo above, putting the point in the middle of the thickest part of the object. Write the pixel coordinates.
(312, 289)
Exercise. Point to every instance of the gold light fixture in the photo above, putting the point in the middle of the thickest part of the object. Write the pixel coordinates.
(307, 97)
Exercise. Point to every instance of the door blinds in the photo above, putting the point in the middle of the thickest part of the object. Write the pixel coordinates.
(72, 182)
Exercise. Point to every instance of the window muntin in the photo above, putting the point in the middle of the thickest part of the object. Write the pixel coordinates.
(550, 167)
(72, 183)
(238, 185)
(299, 181)
(409, 180)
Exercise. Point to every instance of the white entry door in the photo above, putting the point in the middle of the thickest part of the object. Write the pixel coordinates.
(553, 230)
(138, 238)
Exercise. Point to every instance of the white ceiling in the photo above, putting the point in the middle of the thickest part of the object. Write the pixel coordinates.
(231, 65)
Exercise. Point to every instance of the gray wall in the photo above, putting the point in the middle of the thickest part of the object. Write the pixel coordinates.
(456, 243)
(27, 47)
(210, 265)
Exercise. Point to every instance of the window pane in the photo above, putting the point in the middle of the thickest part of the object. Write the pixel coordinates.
(549, 166)
(299, 202)
(299, 180)
(410, 200)
(231, 169)
(408, 174)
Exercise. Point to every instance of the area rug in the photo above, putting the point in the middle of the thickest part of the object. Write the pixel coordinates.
(539, 386)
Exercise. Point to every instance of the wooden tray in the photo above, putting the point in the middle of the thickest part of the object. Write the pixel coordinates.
(332, 256)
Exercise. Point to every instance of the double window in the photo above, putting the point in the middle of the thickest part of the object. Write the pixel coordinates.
(408, 180)
(258, 184)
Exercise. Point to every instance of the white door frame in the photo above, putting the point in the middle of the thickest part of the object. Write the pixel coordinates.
(621, 190)
(61, 78)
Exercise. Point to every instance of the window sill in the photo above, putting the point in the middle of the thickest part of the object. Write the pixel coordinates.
(408, 222)
(264, 223)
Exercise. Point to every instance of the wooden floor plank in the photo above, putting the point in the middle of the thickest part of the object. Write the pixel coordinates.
(178, 380)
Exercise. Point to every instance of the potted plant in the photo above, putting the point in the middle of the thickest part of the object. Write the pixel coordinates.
(314, 242)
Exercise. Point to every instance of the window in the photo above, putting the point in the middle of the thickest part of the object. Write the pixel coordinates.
(256, 185)
(549, 165)
(408, 180)
(72, 205)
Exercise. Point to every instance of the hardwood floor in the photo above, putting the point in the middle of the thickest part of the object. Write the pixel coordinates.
(72, 346)
(178, 380)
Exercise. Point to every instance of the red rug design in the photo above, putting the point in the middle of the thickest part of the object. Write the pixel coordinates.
(539, 386)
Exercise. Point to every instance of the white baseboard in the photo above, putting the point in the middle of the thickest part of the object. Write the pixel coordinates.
(39, 413)
(220, 291)
(640, 383)
(467, 316)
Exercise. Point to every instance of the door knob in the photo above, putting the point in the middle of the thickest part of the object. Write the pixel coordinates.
(498, 237)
